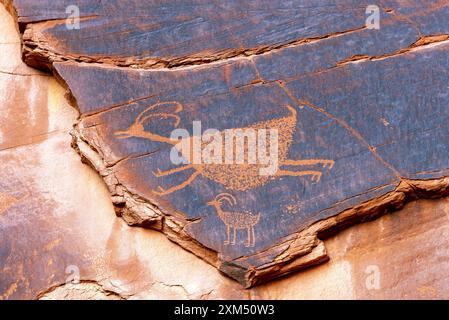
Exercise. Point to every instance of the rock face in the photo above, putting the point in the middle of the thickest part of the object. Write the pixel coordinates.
(57, 223)
(345, 147)
(377, 145)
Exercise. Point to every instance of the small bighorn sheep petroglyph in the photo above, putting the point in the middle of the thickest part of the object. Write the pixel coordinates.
(235, 220)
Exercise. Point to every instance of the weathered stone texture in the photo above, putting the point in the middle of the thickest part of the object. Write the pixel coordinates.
(56, 217)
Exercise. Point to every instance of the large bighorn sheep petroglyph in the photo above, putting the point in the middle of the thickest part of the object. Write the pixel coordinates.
(233, 176)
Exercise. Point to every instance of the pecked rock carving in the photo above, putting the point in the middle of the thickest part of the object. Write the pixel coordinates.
(361, 116)
(236, 175)
(235, 220)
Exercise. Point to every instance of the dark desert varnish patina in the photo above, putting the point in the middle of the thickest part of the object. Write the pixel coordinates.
(362, 115)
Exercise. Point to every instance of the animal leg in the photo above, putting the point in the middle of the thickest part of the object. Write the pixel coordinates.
(316, 175)
(248, 243)
(310, 162)
(160, 173)
(163, 192)
(233, 240)
(228, 235)
(254, 239)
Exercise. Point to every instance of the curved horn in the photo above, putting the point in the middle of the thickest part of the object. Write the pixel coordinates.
(228, 197)
(137, 128)
(162, 115)
(178, 108)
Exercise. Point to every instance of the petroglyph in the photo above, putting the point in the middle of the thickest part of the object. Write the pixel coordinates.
(235, 220)
(232, 175)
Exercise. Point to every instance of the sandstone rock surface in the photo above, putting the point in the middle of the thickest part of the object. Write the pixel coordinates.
(71, 223)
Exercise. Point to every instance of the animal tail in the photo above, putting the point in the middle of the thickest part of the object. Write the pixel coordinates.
(292, 110)
(256, 219)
